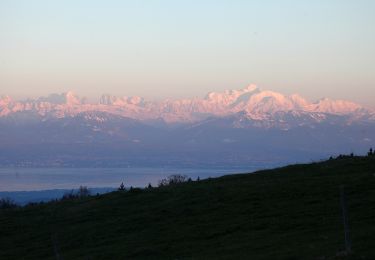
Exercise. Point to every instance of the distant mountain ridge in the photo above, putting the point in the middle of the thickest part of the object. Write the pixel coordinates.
(257, 104)
(230, 128)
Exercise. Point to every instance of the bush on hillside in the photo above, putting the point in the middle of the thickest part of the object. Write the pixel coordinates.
(122, 187)
(173, 180)
(7, 203)
(82, 192)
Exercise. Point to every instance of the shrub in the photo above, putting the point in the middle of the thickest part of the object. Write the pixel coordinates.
(7, 203)
(173, 180)
(83, 191)
(69, 195)
(122, 187)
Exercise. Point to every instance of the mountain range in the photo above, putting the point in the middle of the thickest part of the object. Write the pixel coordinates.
(252, 101)
(234, 127)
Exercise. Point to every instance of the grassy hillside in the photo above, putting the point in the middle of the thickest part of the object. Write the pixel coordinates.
(287, 213)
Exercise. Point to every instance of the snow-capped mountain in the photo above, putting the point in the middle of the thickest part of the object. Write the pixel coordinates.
(254, 102)
(230, 128)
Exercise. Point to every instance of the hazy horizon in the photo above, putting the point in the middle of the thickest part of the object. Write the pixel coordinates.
(97, 98)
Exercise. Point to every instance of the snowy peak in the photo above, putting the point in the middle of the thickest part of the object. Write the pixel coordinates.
(269, 101)
(5, 100)
(230, 96)
(68, 98)
(252, 101)
(299, 102)
(121, 101)
(107, 99)
(71, 98)
(335, 106)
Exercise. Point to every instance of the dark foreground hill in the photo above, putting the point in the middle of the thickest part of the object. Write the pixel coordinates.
(288, 213)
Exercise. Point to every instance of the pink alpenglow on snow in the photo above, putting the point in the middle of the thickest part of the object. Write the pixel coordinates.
(256, 103)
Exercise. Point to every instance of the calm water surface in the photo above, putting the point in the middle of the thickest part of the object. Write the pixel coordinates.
(31, 179)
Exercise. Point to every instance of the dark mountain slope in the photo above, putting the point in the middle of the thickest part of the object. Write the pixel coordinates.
(287, 213)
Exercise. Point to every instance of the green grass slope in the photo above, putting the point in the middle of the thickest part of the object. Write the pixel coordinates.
(287, 213)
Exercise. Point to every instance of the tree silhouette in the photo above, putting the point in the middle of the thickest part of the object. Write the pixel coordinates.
(83, 191)
(122, 186)
(173, 180)
(7, 203)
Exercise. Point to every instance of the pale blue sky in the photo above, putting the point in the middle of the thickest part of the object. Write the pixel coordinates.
(186, 48)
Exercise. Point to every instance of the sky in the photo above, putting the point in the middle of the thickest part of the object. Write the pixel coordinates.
(173, 48)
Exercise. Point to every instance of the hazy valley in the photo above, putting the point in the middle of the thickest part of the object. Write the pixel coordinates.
(235, 127)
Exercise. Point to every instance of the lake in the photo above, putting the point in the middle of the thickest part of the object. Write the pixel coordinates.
(24, 185)
(32, 179)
